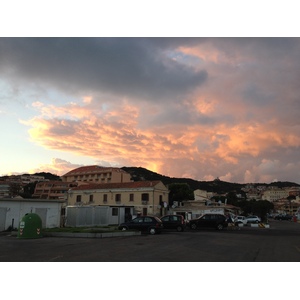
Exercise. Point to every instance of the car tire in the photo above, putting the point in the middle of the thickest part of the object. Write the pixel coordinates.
(152, 230)
(124, 228)
(193, 226)
(179, 228)
(220, 227)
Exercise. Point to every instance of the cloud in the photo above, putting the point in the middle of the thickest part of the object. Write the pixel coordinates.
(197, 151)
(57, 166)
(130, 67)
(200, 108)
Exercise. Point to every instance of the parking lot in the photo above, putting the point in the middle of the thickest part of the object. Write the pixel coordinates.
(279, 243)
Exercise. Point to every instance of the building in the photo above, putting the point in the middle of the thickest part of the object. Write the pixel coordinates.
(13, 210)
(274, 194)
(52, 190)
(4, 189)
(26, 179)
(202, 195)
(96, 174)
(191, 209)
(146, 197)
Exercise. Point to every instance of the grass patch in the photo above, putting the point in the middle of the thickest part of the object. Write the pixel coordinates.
(96, 229)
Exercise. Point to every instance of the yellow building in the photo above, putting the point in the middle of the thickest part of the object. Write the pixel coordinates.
(146, 197)
(96, 174)
(52, 189)
(274, 194)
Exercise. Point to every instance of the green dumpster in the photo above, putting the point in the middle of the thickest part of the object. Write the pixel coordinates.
(30, 227)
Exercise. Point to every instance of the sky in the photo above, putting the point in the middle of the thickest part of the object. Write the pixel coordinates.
(200, 108)
(223, 105)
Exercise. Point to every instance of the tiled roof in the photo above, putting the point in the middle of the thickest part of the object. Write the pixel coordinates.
(128, 185)
(93, 169)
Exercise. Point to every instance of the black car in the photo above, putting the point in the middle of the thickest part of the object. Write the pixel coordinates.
(217, 221)
(148, 224)
(173, 222)
(284, 217)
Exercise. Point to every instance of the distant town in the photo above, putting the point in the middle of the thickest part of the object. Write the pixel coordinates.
(96, 185)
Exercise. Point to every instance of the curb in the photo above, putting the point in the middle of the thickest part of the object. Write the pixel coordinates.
(87, 234)
(260, 225)
(90, 234)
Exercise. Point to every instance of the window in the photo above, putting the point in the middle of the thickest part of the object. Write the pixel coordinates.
(78, 198)
(118, 197)
(91, 198)
(148, 220)
(131, 197)
(105, 198)
(115, 211)
(145, 197)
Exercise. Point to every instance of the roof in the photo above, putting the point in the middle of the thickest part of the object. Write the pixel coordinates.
(32, 200)
(124, 185)
(93, 169)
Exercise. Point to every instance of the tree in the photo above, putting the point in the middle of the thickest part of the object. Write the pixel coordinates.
(180, 192)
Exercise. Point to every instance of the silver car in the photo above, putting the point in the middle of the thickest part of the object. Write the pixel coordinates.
(240, 219)
(253, 219)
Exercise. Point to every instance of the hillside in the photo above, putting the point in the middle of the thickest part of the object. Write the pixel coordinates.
(217, 186)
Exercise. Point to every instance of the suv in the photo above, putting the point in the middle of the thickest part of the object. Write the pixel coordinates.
(148, 224)
(217, 221)
(173, 222)
(253, 219)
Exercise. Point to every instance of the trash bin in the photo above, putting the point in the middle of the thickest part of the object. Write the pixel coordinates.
(30, 227)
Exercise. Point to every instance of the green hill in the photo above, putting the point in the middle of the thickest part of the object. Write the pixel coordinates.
(217, 186)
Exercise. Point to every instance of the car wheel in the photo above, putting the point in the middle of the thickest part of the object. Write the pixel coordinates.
(124, 228)
(179, 228)
(152, 230)
(220, 227)
(193, 226)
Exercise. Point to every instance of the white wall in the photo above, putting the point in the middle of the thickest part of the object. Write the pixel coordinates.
(16, 209)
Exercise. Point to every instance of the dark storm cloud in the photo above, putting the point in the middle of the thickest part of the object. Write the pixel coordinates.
(126, 66)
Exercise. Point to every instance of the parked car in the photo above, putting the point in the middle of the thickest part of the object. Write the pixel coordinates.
(148, 224)
(284, 217)
(174, 222)
(240, 219)
(217, 221)
(253, 219)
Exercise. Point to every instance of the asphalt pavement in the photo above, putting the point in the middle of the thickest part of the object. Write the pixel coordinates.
(279, 243)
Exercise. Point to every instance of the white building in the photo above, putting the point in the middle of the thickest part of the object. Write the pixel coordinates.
(13, 210)
(274, 194)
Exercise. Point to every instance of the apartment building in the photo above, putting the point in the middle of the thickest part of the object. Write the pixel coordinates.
(96, 174)
(146, 197)
(52, 190)
(274, 194)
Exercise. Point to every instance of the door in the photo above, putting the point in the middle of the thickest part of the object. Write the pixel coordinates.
(205, 221)
(2, 218)
(128, 215)
(166, 222)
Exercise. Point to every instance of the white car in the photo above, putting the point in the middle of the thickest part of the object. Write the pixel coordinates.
(240, 219)
(253, 219)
